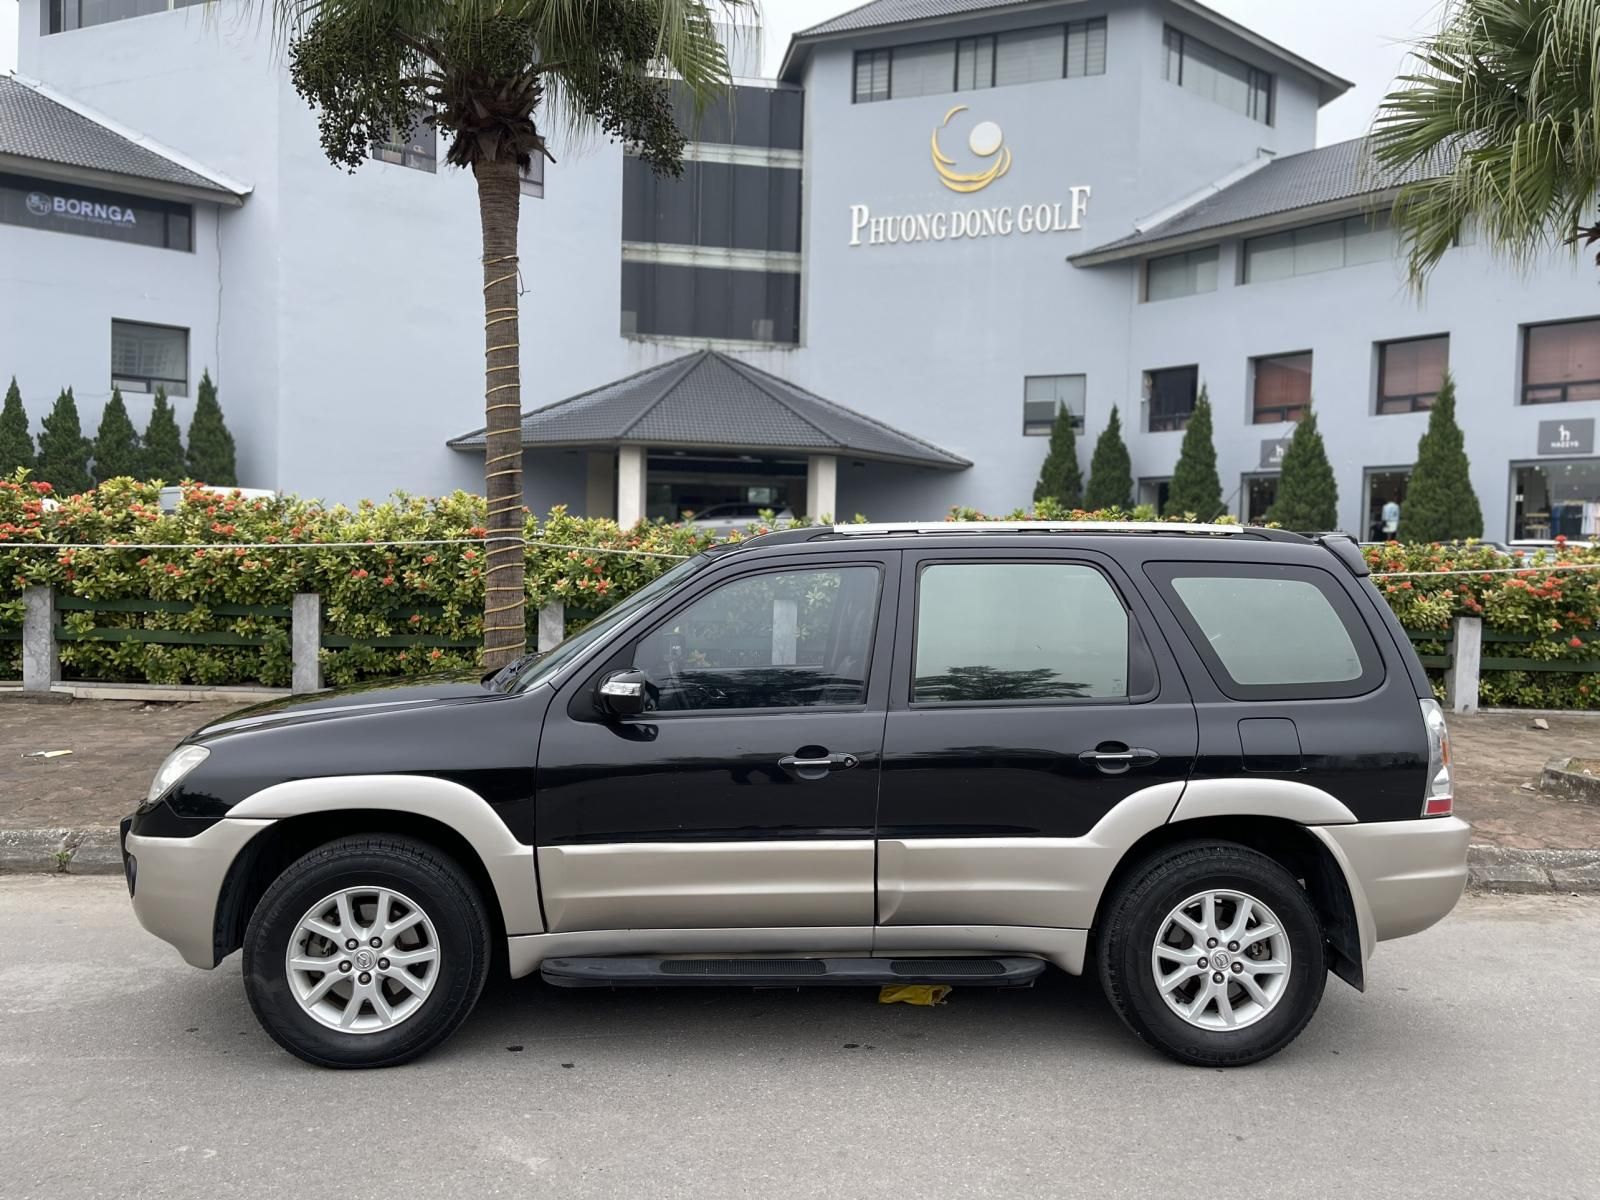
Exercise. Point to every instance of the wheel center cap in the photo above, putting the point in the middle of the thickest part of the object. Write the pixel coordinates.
(1219, 959)
(365, 960)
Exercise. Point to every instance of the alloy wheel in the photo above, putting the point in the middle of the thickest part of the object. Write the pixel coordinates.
(1221, 960)
(362, 959)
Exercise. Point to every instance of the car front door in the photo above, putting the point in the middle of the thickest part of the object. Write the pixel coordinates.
(1027, 705)
(745, 796)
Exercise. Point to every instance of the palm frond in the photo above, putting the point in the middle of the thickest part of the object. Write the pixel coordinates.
(1497, 123)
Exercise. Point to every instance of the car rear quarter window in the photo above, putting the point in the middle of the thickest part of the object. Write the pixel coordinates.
(1272, 632)
(1018, 632)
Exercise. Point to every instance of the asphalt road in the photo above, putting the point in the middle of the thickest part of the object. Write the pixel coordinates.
(1469, 1068)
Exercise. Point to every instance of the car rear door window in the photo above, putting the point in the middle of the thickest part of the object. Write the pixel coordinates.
(780, 639)
(1018, 632)
(1273, 632)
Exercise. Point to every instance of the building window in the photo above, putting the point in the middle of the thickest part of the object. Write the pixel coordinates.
(994, 60)
(765, 117)
(417, 148)
(1410, 373)
(1155, 493)
(1386, 497)
(1557, 500)
(1561, 362)
(732, 205)
(1169, 397)
(1207, 71)
(872, 75)
(62, 15)
(1282, 388)
(1260, 492)
(1044, 396)
(1314, 248)
(1176, 275)
(717, 303)
(532, 177)
(89, 212)
(147, 357)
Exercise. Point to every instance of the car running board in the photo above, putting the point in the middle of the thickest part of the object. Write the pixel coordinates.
(600, 971)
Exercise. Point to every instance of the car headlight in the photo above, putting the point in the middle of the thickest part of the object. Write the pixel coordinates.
(178, 764)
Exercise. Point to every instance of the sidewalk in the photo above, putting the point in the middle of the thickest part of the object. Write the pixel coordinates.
(117, 745)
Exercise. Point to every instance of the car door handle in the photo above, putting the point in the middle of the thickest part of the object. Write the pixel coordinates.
(1111, 760)
(814, 767)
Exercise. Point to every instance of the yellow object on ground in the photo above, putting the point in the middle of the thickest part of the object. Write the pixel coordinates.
(914, 993)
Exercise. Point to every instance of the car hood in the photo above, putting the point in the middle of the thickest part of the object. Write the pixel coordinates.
(356, 701)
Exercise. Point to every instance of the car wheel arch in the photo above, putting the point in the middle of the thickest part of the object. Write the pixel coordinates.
(307, 813)
(1285, 841)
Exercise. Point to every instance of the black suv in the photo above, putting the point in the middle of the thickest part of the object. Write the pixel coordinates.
(869, 754)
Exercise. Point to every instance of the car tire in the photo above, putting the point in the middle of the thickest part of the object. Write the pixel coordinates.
(348, 1017)
(1151, 936)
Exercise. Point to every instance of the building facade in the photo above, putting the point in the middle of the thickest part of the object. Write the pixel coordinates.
(944, 220)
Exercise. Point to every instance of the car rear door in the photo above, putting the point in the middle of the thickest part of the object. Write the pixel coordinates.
(1029, 700)
(746, 798)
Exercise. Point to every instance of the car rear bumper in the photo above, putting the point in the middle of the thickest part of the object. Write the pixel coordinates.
(1404, 875)
(175, 883)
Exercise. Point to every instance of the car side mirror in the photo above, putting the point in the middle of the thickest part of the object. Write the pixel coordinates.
(623, 693)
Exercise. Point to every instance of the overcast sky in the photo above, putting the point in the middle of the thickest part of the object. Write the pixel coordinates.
(1363, 40)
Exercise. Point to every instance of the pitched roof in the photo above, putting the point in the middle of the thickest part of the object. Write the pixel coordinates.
(711, 401)
(39, 126)
(889, 14)
(1286, 191)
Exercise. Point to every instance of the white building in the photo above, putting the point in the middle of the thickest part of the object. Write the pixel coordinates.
(1121, 205)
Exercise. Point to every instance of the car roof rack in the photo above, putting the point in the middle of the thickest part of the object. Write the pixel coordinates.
(879, 529)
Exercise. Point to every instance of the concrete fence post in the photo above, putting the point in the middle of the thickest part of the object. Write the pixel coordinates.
(305, 643)
(1466, 653)
(552, 624)
(41, 658)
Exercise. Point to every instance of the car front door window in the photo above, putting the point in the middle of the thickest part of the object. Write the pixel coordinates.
(782, 639)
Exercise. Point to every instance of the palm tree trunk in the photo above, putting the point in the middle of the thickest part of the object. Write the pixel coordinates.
(499, 204)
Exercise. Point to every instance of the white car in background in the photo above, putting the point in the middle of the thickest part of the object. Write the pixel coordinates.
(728, 518)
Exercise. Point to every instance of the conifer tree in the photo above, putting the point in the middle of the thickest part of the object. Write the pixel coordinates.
(16, 443)
(1110, 471)
(1195, 486)
(1060, 478)
(63, 450)
(1440, 505)
(211, 457)
(163, 444)
(116, 445)
(1308, 495)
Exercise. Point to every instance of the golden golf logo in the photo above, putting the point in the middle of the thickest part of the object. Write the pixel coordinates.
(986, 141)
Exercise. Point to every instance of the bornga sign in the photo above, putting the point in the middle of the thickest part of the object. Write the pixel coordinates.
(951, 225)
(85, 210)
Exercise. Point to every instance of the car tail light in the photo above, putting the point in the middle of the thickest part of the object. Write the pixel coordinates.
(1439, 799)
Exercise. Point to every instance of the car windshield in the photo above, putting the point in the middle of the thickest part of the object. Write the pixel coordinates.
(545, 665)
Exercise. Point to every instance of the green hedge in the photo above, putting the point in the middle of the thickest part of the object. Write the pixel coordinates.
(241, 624)
(230, 602)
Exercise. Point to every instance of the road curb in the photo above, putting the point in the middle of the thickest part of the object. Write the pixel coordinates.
(1505, 869)
(88, 851)
(94, 851)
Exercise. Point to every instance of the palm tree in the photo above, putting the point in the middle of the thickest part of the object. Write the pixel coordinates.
(1498, 124)
(498, 78)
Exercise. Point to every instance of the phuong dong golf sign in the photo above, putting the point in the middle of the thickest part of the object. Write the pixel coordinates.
(986, 142)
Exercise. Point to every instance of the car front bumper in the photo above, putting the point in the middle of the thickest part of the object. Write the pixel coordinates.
(175, 882)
